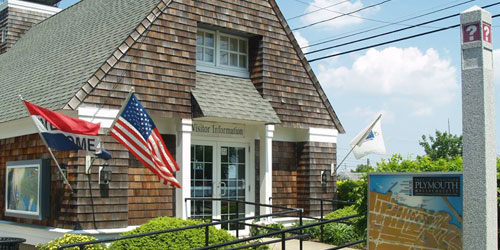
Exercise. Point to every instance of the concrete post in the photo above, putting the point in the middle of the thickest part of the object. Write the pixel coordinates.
(183, 155)
(479, 149)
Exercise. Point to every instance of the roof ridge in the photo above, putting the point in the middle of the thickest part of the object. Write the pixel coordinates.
(56, 58)
(62, 10)
(120, 51)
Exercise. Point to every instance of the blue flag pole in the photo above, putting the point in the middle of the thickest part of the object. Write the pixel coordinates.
(50, 151)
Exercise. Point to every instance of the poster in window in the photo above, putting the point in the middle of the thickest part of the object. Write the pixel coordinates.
(27, 189)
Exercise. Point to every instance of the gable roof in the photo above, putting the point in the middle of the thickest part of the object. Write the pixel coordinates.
(231, 98)
(52, 61)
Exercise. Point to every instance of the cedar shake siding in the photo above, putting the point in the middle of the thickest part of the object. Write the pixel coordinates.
(30, 147)
(314, 157)
(17, 22)
(3, 25)
(285, 173)
(147, 196)
(159, 60)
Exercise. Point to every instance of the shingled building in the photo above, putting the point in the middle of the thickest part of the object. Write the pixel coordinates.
(225, 82)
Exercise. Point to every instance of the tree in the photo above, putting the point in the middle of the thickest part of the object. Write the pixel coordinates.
(363, 168)
(443, 146)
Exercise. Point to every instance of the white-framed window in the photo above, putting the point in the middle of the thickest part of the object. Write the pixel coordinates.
(205, 46)
(221, 53)
(4, 35)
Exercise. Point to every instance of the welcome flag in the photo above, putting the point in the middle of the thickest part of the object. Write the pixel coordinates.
(135, 129)
(369, 140)
(62, 132)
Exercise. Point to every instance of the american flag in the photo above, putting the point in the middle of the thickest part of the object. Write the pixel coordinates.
(135, 129)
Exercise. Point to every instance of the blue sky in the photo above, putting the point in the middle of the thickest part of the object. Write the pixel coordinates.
(416, 83)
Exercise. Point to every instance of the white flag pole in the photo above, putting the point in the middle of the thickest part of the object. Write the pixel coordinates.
(132, 90)
(50, 150)
(367, 132)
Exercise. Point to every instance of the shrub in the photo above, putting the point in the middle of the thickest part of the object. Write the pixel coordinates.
(180, 240)
(336, 233)
(70, 239)
(344, 212)
(345, 190)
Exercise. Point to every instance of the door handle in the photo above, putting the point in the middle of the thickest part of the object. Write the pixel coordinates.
(223, 186)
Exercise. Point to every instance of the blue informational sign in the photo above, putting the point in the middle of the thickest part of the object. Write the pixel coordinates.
(415, 211)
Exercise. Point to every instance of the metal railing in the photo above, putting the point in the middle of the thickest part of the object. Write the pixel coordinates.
(287, 210)
(322, 210)
(283, 239)
(81, 245)
(297, 232)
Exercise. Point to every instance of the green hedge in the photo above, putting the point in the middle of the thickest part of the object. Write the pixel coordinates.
(70, 239)
(181, 240)
(336, 233)
(345, 190)
(259, 231)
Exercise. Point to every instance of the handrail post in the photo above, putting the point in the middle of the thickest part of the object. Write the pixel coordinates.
(237, 216)
(270, 218)
(185, 205)
(321, 227)
(301, 240)
(283, 242)
(207, 235)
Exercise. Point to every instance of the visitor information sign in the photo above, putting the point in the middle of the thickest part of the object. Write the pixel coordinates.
(415, 211)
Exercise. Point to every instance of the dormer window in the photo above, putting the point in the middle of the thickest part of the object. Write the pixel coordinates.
(221, 53)
(205, 46)
(233, 51)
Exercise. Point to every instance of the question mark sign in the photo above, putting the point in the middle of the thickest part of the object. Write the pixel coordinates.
(471, 29)
(486, 33)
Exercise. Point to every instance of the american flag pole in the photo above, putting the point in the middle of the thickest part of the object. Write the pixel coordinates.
(135, 130)
(131, 91)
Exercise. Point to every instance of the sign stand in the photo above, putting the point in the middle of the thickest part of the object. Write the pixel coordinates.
(479, 147)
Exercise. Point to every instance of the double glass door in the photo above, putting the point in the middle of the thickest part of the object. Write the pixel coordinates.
(218, 171)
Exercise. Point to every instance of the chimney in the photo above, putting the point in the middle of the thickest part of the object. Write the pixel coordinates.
(17, 17)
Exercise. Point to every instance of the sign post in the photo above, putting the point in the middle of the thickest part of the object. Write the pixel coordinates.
(479, 149)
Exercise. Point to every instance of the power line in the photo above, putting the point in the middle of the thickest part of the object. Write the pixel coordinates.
(364, 18)
(393, 41)
(383, 26)
(344, 14)
(314, 11)
(382, 34)
(384, 43)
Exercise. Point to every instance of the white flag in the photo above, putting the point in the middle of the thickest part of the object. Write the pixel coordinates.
(369, 141)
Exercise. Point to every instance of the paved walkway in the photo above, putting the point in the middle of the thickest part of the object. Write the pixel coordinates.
(294, 245)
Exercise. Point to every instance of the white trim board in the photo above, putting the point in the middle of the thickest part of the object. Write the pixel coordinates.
(323, 135)
(98, 115)
(30, 6)
(310, 135)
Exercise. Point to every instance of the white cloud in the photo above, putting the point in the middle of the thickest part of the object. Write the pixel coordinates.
(368, 114)
(345, 7)
(404, 75)
(302, 41)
